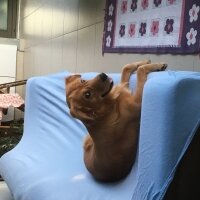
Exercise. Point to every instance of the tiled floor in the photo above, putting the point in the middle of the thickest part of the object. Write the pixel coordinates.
(4, 192)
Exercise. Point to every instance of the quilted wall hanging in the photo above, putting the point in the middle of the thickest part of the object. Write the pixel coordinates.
(152, 26)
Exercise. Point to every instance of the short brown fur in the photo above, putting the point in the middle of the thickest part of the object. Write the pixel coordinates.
(112, 118)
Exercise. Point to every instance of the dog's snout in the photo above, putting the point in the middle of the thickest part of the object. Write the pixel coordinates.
(103, 76)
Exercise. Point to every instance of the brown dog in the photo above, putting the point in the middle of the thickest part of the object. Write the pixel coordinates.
(112, 118)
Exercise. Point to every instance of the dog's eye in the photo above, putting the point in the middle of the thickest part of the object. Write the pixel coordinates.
(82, 81)
(87, 94)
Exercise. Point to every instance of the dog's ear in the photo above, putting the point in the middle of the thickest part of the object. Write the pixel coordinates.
(71, 78)
(68, 81)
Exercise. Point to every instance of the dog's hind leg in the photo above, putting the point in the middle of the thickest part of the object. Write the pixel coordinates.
(130, 68)
(142, 73)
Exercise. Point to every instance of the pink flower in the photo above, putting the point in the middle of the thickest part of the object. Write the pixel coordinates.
(124, 6)
(145, 4)
(131, 30)
(171, 1)
(154, 27)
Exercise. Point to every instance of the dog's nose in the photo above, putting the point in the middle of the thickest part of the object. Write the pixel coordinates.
(103, 76)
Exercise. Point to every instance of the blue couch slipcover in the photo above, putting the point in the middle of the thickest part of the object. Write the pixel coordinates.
(47, 164)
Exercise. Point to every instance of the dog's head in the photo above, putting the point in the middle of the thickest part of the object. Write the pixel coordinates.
(87, 98)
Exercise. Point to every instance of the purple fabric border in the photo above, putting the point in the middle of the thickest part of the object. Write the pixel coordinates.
(183, 49)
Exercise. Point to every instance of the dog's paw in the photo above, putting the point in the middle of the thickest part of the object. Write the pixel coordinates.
(164, 67)
(148, 61)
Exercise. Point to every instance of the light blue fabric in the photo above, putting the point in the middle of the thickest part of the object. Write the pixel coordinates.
(47, 164)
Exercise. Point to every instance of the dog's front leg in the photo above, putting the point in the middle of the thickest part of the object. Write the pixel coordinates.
(142, 73)
(128, 69)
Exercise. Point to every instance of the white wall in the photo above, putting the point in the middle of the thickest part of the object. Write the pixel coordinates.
(8, 60)
(67, 34)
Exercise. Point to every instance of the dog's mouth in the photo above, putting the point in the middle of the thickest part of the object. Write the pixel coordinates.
(109, 89)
